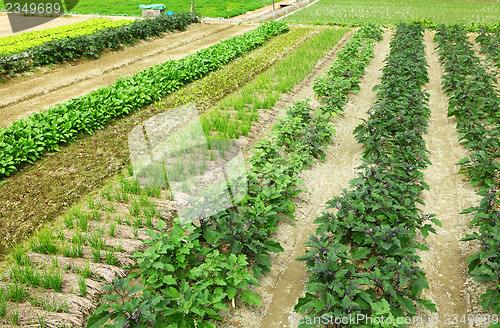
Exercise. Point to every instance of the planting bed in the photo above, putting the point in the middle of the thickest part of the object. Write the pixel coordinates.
(395, 218)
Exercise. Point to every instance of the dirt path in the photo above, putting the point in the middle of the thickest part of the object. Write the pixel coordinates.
(21, 99)
(445, 262)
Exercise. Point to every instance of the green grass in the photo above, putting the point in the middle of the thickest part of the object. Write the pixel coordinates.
(209, 8)
(391, 12)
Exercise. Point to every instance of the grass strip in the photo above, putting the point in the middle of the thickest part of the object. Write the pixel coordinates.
(234, 115)
(208, 8)
(391, 12)
(42, 191)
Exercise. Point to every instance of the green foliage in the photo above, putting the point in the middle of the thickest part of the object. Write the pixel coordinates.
(28, 139)
(474, 102)
(194, 269)
(429, 13)
(20, 42)
(489, 39)
(93, 45)
(344, 75)
(363, 258)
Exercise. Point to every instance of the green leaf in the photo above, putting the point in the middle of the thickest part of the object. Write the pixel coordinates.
(250, 297)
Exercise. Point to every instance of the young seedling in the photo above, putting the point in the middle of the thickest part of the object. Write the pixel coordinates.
(41, 320)
(14, 316)
(44, 243)
(53, 278)
(110, 256)
(82, 286)
(68, 221)
(96, 254)
(19, 255)
(3, 304)
(16, 292)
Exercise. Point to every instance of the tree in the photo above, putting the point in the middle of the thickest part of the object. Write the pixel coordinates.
(192, 6)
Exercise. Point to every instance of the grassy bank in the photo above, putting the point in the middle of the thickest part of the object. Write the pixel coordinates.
(392, 12)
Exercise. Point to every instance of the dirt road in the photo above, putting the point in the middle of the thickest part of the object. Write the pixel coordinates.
(20, 97)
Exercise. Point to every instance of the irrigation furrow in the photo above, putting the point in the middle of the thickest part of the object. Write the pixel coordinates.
(444, 263)
(323, 181)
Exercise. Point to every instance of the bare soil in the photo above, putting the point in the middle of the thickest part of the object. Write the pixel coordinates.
(451, 289)
(21, 97)
(280, 289)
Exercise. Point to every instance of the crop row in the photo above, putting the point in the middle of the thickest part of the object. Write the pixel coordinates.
(363, 257)
(489, 39)
(235, 114)
(229, 242)
(93, 45)
(475, 104)
(20, 42)
(190, 272)
(343, 77)
(28, 139)
(81, 235)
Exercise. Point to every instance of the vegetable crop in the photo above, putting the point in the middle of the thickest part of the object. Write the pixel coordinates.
(92, 45)
(28, 139)
(20, 42)
(363, 258)
(475, 104)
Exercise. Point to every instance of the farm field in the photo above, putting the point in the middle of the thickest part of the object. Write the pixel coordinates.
(392, 12)
(366, 182)
(207, 8)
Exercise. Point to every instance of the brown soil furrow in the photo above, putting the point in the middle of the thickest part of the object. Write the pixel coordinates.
(445, 262)
(56, 87)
